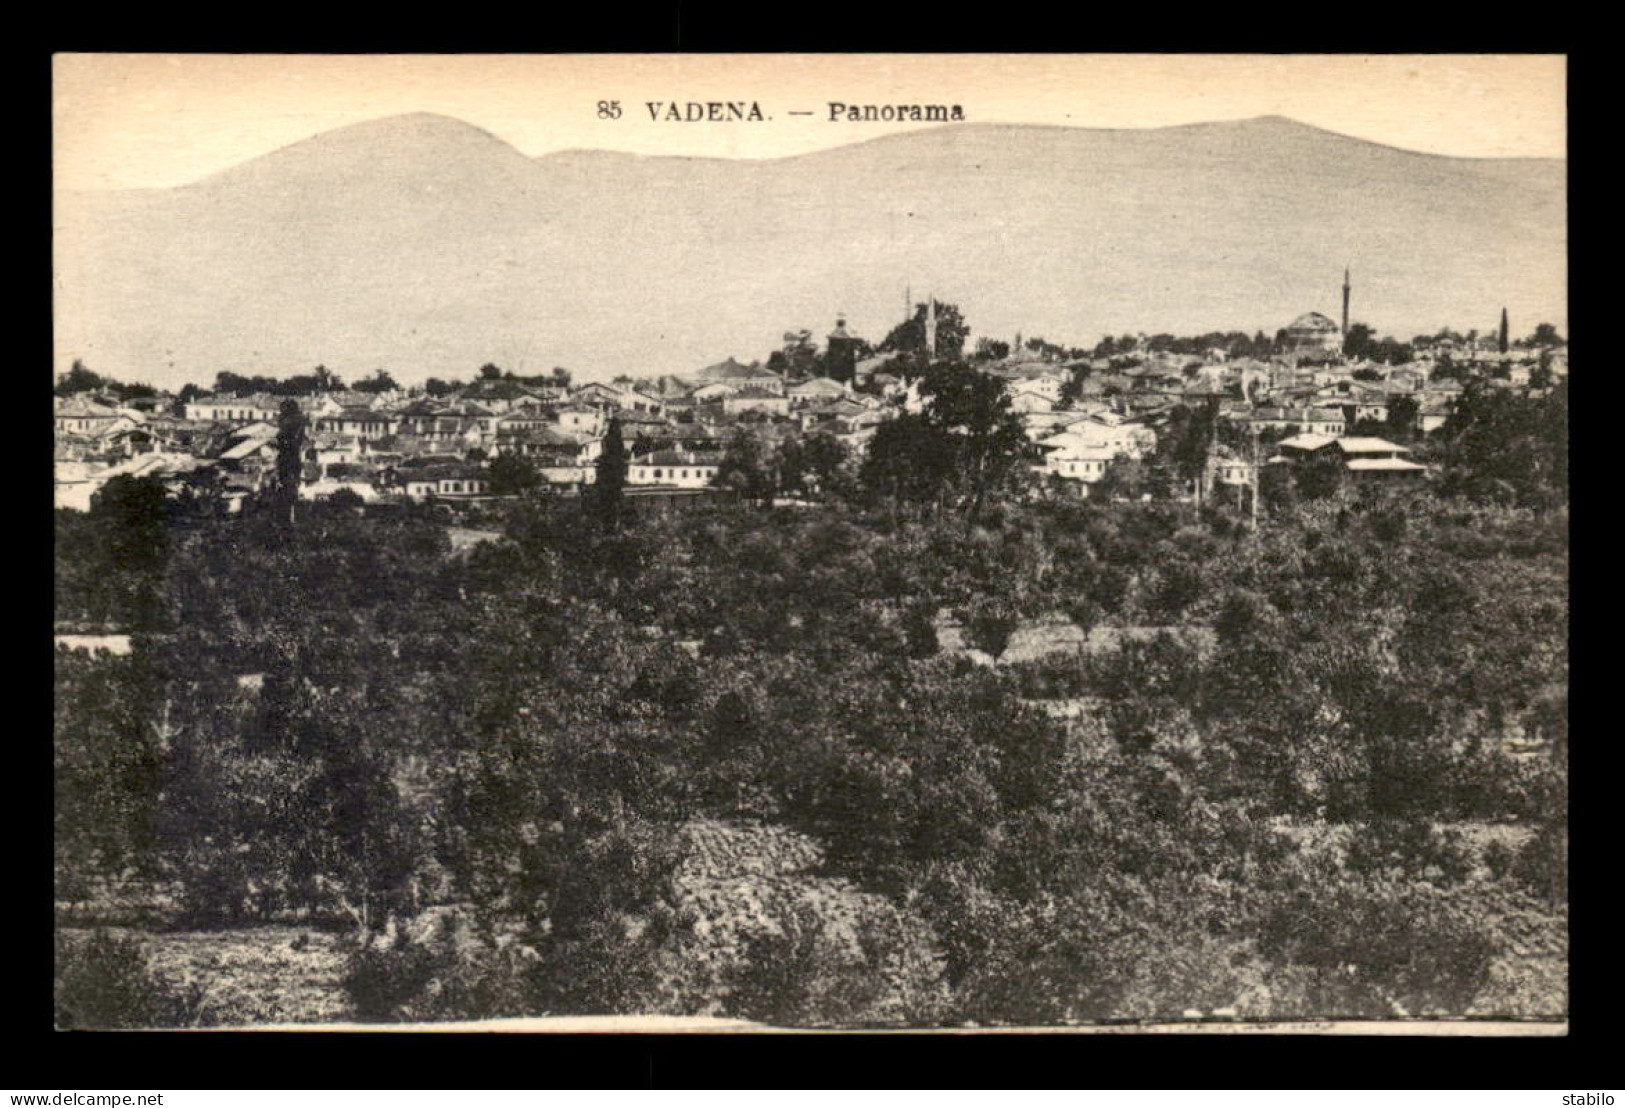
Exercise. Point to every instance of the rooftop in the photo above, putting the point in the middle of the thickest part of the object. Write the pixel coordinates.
(679, 458)
(1388, 464)
(1312, 321)
(1308, 442)
(1360, 445)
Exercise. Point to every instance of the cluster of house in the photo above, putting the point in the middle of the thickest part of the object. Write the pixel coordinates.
(406, 445)
(1293, 405)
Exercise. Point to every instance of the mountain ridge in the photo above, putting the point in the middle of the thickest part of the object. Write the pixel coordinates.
(428, 246)
(429, 123)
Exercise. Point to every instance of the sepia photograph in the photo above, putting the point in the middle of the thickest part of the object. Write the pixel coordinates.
(811, 542)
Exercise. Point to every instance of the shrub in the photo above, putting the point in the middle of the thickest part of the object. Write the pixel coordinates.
(437, 969)
(920, 629)
(1381, 946)
(991, 622)
(1543, 864)
(1179, 585)
(107, 982)
(1499, 859)
(806, 974)
(1244, 613)
(1414, 849)
(382, 980)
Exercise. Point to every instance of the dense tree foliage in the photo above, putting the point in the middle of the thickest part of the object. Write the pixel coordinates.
(1503, 445)
(380, 381)
(80, 379)
(909, 337)
(1251, 789)
(321, 379)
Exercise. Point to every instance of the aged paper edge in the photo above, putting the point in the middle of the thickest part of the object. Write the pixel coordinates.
(657, 1025)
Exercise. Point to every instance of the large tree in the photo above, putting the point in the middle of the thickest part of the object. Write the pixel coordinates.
(798, 357)
(910, 460)
(749, 468)
(1359, 340)
(79, 379)
(810, 464)
(1545, 335)
(1403, 419)
(975, 408)
(290, 452)
(909, 336)
(380, 381)
(512, 475)
(610, 484)
(1187, 441)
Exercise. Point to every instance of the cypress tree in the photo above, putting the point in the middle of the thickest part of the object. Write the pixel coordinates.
(290, 448)
(611, 477)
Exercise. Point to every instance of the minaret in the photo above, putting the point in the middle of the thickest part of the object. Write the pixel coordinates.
(1345, 302)
(931, 326)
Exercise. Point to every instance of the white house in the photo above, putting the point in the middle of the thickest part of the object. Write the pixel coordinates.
(225, 409)
(579, 419)
(1029, 400)
(676, 468)
(753, 399)
(320, 490)
(449, 482)
(1085, 465)
(817, 390)
(1089, 436)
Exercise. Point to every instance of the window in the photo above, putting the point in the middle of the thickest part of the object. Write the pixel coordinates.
(657, 475)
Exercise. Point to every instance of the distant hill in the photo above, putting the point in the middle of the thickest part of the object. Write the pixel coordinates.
(426, 246)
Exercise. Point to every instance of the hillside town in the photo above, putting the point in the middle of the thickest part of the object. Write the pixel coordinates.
(1317, 389)
(866, 682)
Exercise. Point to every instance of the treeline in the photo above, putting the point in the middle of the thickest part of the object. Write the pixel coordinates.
(79, 379)
(1235, 344)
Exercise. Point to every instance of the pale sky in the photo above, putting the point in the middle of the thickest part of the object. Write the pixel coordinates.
(137, 121)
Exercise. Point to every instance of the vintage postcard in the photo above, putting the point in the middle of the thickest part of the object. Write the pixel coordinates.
(933, 544)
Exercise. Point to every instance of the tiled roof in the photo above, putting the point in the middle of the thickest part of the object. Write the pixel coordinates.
(543, 436)
(1391, 464)
(679, 458)
(427, 461)
(819, 384)
(79, 407)
(731, 370)
(1362, 445)
(1307, 442)
(449, 471)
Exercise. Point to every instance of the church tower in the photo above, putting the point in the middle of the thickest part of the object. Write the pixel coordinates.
(841, 355)
(1345, 302)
